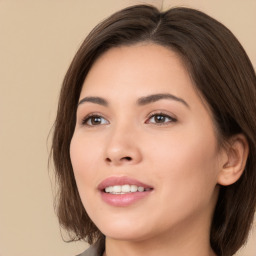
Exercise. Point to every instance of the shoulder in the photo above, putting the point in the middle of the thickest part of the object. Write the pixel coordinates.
(94, 250)
(90, 252)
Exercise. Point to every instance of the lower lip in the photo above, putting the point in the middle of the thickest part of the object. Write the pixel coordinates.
(122, 200)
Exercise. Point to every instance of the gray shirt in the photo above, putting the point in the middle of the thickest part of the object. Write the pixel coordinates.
(96, 249)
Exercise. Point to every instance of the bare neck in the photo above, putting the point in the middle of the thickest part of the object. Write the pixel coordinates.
(191, 243)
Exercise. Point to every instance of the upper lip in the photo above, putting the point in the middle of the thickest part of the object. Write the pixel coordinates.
(123, 180)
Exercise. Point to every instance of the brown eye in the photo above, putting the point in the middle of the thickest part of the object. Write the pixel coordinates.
(161, 119)
(94, 121)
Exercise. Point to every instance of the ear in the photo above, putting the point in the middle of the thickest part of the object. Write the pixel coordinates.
(234, 162)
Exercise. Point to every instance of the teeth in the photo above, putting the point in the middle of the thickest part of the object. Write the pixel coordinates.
(117, 189)
(140, 189)
(124, 189)
(133, 188)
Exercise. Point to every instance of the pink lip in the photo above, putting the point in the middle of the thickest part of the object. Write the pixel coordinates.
(122, 200)
(112, 181)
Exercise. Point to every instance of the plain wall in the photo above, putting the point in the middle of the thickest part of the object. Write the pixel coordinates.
(38, 40)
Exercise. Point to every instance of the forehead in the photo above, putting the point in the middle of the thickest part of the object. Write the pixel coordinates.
(147, 65)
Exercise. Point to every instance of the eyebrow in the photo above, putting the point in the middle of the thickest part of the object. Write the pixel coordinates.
(155, 97)
(141, 101)
(96, 100)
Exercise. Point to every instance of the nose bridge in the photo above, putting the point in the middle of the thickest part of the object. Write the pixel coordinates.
(122, 144)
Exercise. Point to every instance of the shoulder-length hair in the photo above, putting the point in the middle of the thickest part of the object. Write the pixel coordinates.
(221, 72)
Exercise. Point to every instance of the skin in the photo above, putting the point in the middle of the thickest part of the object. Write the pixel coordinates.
(180, 157)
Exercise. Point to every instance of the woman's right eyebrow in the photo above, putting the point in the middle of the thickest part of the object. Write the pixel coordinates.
(97, 100)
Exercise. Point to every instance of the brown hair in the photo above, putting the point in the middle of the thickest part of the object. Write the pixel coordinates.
(222, 73)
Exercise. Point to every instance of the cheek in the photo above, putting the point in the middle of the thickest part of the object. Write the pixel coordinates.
(188, 165)
(84, 153)
(84, 159)
(77, 151)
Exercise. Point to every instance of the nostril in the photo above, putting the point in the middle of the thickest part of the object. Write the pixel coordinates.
(128, 158)
(108, 160)
(122, 159)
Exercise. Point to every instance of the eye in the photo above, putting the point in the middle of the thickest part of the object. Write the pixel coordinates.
(160, 119)
(94, 120)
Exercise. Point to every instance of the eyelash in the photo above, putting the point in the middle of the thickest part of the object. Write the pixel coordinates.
(162, 114)
(90, 117)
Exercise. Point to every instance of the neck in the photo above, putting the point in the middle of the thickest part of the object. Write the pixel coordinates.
(187, 239)
(115, 248)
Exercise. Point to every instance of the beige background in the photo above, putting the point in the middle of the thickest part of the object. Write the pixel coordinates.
(37, 42)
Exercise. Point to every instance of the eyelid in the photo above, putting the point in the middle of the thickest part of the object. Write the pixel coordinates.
(152, 114)
(94, 114)
(162, 113)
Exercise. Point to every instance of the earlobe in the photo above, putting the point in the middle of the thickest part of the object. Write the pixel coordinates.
(236, 156)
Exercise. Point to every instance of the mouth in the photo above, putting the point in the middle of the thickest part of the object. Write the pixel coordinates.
(123, 191)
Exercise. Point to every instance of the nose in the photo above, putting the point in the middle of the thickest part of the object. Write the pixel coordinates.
(122, 148)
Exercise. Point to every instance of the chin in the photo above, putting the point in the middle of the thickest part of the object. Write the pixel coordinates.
(124, 231)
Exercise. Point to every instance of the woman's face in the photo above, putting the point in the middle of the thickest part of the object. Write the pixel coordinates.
(144, 135)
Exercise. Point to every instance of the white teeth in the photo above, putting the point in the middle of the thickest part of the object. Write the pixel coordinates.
(124, 189)
(133, 188)
(109, 189)
(140, 189)
(117, 189)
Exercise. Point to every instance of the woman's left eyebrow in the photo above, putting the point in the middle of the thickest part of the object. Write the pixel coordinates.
(155, 97)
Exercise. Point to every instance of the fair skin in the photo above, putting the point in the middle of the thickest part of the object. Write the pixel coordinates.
(167, 141)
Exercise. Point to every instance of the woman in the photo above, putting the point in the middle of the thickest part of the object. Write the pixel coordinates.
(154, 143)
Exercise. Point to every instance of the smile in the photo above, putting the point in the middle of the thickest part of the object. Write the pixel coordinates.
(117, 189)
(123, 191)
